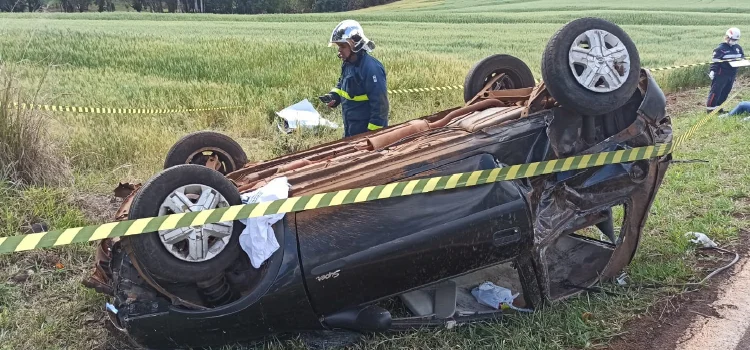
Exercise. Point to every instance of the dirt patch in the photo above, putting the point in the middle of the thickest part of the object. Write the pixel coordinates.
(98, 208)
(730, 330)
(708, 260)
(685, 102)
(664, 324)
(680, 103)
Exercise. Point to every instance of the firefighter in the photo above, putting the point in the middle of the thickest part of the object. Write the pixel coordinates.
(722, 74)
(361, 90)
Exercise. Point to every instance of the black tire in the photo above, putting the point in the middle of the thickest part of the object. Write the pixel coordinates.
(190, 148)
(519, 74)
(148, 249)
(561, 82)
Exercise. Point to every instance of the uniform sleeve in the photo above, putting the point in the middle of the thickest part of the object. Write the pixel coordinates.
(718, 54)
(716, 59)
(337, 88)
(377, 95)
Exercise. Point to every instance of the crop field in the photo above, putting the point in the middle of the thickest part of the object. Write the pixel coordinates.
(267, 62)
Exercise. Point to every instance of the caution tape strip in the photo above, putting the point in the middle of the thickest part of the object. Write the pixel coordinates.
(679, 140)
(60, 237)
(459, 87)
(696, 64)
(103, 110)
(323, 200)
(440, 88)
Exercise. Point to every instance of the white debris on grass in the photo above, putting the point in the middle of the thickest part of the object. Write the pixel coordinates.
(302, 115)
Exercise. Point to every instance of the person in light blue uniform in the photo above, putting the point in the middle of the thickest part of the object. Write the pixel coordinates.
(722, 74)
(362, 88)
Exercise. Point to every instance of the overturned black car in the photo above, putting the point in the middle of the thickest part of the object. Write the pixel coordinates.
(344, 268)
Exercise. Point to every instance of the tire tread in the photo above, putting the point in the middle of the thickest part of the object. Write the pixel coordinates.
(147, 247)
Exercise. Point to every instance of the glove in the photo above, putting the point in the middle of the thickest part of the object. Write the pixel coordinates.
(711, 75)
(335, 100)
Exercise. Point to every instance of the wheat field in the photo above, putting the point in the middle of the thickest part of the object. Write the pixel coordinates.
(267, 62)
(128, 60)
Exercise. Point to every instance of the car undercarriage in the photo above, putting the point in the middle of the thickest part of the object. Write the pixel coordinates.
(547, 237)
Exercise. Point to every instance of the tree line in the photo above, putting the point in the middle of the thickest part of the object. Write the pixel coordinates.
(192, 6)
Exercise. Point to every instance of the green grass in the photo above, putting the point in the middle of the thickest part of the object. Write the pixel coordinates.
(269, 62)
(41, 304)
(272, 61)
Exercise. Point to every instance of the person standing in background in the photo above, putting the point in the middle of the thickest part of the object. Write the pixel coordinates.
(722, 74)
(362, 87)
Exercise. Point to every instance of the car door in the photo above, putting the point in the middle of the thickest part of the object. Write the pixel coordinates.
(357, 253)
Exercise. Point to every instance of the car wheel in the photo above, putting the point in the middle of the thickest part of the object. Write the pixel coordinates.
(207, 148)
(189, 254)
(517, 75)
(591, 66)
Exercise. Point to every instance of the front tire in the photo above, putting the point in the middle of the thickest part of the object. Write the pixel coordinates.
(591, 66)
(190, 254)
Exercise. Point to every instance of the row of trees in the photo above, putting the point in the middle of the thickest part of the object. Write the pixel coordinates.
(254, 6)
(56, 5)
(194, 6)
(20, 5)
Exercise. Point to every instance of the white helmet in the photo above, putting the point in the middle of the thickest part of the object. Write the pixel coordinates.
(733, 34)
(349, 31)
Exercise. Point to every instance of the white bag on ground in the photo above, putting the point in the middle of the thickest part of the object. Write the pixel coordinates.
(302, 114)
(493, 296)
(258, 239)
(702, 239)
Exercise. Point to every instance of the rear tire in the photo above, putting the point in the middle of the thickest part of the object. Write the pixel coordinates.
(195, 148)
(518, 75)
(565, 63)
(149, 250)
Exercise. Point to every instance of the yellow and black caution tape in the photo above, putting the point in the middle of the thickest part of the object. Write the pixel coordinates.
(109, 110)
(358, 195)
(695, 64)
(460, 87)
(103, 110)
(323, 200)
(428, 89)
(679, 140)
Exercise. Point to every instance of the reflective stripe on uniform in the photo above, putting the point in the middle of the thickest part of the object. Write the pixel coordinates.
(734, 55)
(345, 95)
(372, 126)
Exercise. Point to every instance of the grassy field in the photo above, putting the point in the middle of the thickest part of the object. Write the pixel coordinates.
(268, 62)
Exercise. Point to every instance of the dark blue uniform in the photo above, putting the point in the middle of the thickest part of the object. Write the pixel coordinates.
(724, 74)
(362, 92)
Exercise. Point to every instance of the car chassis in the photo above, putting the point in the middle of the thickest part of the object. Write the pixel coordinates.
(344, 267)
